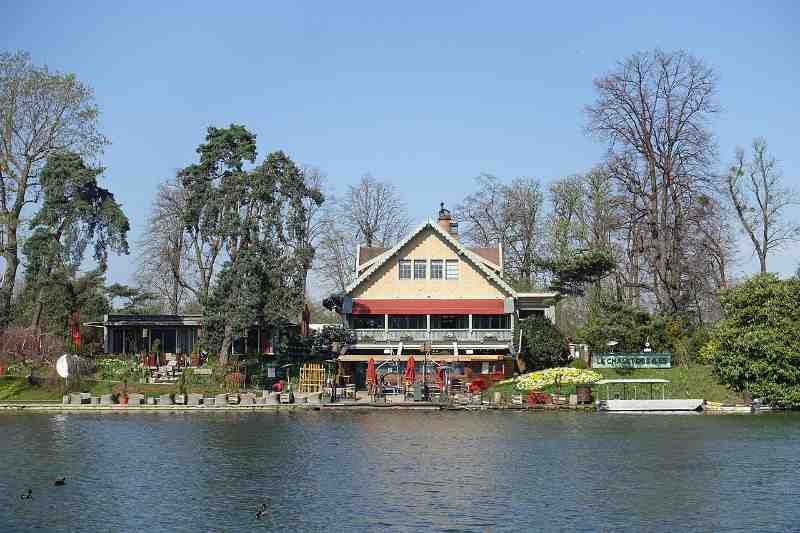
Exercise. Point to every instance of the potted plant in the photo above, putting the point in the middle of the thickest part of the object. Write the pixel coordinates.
(184, 383)
(123, 399)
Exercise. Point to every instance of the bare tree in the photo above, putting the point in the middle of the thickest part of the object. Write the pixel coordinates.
(371, 213)
(653, 111)
(315, 213)
(205, 250)
(374, 212)
(42, 112)
(761, 201)
(336, 255)
(165, 267)
(512, 215)
(567, 220)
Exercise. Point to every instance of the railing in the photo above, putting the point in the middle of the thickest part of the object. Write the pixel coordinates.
(365, 336)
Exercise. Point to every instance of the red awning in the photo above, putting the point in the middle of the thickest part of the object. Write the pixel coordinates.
(428, 307)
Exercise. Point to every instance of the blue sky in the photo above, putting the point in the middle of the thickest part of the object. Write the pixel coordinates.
(426, 95)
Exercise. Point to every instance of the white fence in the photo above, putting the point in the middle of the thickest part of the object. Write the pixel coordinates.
(435, 335)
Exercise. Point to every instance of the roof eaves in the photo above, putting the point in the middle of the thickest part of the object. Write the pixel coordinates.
(381, 259)
(474, 258)
(477, 261)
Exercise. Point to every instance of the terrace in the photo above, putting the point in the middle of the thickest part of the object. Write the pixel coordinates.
(392, 329)
(425, 335)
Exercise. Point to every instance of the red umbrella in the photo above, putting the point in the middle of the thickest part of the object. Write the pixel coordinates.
(410, 375)
(372, 377)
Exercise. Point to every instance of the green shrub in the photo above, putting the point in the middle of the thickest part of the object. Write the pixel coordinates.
(578, 363)
(756, 347)
(630, 326)
(112, 368)
(543, 345)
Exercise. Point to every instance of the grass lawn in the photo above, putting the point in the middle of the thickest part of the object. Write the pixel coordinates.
(14, 388)
(696, 381)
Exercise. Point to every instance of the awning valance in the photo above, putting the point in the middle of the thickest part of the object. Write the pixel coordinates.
(426, 306)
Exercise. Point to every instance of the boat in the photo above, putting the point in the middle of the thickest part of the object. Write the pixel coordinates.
(622, 403)
(649, 405)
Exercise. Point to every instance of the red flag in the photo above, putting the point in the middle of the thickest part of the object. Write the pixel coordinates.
(75, 330)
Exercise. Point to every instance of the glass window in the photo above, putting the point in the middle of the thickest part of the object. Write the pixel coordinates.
(367, 321)
(436, 268)
(186, 339)
(166, 340)
(490, 322)
(449, 322)
(405, 269)
(420, 266)
(452, 269)
(408, 322)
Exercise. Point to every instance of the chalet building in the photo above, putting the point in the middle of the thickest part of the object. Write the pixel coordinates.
(438, 300)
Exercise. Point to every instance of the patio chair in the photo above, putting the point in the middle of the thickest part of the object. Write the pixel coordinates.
(350, 391)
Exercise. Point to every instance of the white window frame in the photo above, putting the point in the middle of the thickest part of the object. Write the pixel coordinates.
(405, 262)
(439, 263)
(424, 264)
(447, 274)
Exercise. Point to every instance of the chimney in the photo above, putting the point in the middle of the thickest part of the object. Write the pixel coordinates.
(446, 222)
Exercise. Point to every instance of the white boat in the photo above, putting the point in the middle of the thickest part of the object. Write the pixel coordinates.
(649, 405)
(642, 405)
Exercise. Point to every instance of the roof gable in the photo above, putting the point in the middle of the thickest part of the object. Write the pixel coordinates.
(476, 260)
(490, 254)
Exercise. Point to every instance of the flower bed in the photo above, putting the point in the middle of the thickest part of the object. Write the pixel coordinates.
(563, 375)
(112, 368)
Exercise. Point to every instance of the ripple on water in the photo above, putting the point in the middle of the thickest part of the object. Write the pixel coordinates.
(395, 471)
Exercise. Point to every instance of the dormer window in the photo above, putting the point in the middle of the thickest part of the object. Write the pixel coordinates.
(437, 269)
(404, 267)
(420, 268)
(451, 269)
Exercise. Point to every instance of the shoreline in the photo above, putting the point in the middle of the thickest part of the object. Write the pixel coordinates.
(54, 407)
(45, 407)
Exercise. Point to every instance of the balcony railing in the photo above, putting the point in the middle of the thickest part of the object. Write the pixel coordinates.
(366, 336)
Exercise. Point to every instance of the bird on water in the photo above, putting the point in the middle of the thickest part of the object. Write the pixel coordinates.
(262, 511)
(60, 481)
(27, 496)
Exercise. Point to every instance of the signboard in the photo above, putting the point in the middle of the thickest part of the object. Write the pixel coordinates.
(632, 360)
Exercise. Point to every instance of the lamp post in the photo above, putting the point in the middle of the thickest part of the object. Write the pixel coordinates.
(288, 382)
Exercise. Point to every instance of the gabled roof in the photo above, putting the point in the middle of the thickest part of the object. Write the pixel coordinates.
(490, 254)
(368, 253)
(474, 258)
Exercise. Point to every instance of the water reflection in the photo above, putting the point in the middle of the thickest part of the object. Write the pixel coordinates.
(488, 471)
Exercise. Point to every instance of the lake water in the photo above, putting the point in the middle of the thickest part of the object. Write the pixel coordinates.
(400, 471)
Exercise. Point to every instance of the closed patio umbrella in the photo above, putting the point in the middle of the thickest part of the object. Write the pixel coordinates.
(410, 375)
(372, 376)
